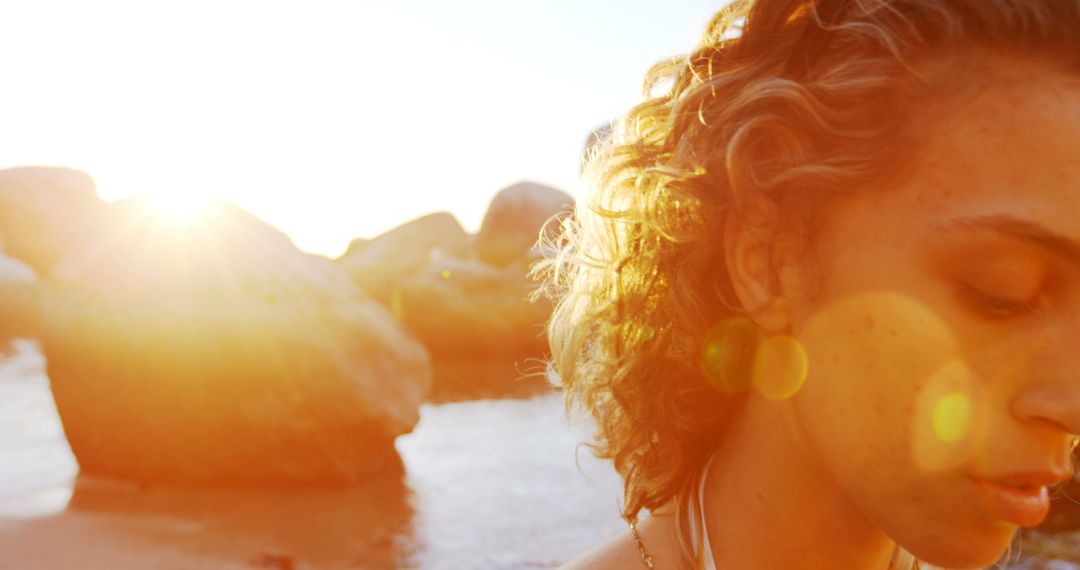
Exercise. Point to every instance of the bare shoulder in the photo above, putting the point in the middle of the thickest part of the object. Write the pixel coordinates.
(620, 552)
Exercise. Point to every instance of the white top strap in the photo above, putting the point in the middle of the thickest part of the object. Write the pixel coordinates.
(697, 516)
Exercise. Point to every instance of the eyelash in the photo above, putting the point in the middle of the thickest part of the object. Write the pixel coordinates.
(997, 307)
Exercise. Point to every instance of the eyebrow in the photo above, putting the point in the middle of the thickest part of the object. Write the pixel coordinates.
(1017, 228)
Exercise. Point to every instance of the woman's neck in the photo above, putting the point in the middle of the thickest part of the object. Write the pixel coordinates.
(770, 503)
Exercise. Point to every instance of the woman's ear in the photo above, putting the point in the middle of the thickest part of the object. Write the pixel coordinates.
(765, 260)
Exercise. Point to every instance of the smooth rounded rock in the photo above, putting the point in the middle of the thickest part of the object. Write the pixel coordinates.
(515, 219)
(214, 351)
(463, 307)
(378, 265)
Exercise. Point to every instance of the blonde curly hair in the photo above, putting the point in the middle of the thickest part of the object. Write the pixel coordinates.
(800, 101)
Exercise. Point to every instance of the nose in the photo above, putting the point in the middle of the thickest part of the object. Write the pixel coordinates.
(1053, 403)
(1049, 391)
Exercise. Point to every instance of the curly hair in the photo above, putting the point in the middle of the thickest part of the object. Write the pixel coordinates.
(798, 101)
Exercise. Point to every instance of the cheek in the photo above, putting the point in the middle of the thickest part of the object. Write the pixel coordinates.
(895, 413)
(871, 357)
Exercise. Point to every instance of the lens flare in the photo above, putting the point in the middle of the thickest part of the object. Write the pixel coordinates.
(949, 418)
(727, 355)
(952, 417)
(780, 367)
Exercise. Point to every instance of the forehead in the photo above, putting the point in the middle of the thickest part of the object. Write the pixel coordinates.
(1012, 147)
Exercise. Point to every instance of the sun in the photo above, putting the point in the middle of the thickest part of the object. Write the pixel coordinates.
(176, 207)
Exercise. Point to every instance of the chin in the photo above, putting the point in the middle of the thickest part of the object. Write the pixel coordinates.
(964, 551)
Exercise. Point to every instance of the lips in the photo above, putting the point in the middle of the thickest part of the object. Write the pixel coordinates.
(1020, 499)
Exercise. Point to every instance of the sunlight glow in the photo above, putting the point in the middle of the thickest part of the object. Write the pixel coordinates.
(948, 418)
(176, 208)
(952, 417)
(307, 134)
(911, 369)
(727, 354)
(780, 367)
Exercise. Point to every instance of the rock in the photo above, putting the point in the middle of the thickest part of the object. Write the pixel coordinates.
(475, 317)
(19, 302)
(514, 220)
(355, 246)
(477, 321)
(380, 264)
(464, 308)
(217, 352)
(44, 212)
(467, 377)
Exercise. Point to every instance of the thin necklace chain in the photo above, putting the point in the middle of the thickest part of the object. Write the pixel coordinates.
(646, 558)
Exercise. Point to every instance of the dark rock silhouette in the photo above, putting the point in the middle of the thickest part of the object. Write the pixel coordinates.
(217, 352)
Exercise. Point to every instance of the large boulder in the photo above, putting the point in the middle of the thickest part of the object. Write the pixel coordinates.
(216, 352)
(44, 212)
(515, 219)
(378, 265)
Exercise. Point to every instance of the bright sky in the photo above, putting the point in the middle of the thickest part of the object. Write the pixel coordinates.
(330, 120)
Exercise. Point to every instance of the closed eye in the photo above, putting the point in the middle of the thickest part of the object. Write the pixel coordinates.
(995, 307)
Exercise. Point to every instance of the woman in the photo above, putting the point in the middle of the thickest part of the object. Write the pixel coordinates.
(823, 298)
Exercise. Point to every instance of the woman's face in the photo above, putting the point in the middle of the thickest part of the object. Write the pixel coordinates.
(944, 343)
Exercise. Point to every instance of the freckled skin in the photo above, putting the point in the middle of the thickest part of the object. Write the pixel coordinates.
(887, 328)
